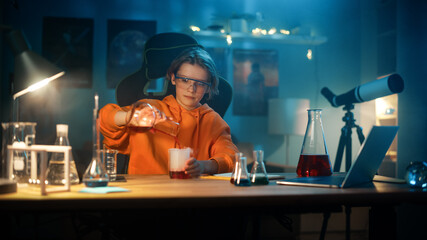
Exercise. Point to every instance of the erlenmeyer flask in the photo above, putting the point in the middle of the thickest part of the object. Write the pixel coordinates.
(314, 158)
(55, 171)
(242, 176)
(95, 175)
(258, 172)
(145, 117)
(237, 157)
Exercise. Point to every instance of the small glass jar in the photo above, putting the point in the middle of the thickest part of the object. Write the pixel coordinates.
(416, 174)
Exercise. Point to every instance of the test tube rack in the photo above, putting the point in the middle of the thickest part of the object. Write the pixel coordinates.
(43, 150)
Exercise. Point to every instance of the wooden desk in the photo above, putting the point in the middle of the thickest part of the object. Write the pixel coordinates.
(160, 192)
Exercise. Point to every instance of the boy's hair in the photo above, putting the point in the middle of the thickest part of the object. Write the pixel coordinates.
(199, 56)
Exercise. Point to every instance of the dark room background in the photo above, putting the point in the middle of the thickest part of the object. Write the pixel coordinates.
(353, 50)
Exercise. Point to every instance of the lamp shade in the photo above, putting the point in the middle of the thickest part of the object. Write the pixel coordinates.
(31, 70)
(287, 116)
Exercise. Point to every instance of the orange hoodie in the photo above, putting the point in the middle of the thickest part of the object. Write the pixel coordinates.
(201, 129)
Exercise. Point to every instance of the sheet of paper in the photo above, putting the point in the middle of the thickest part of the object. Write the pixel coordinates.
(227, 176)
(103, 190)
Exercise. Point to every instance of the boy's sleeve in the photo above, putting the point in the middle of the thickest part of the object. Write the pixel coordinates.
(116, 137)
(223, 148)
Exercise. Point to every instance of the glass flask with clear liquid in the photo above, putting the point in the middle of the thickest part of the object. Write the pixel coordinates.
(314, 157)
(237, 157)
(96, 175)
(258, 172)
(55, 171)
(242, 178)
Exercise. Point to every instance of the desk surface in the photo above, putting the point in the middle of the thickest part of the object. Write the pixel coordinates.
(158, 191)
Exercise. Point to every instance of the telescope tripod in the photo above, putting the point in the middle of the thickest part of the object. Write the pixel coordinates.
(345, 139)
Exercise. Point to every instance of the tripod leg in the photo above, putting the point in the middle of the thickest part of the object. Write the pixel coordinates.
(348, 151)
(340, 151)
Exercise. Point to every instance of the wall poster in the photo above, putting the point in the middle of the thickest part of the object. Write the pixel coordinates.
(126, 40)
(256, 79)
(68, 43)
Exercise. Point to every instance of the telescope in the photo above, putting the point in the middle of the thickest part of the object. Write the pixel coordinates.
(384, 86)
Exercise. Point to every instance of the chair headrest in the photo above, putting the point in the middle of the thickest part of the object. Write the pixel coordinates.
(161, 49)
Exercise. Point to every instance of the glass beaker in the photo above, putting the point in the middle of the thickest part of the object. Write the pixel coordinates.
(55, 171)
(258, 172)
(109, 159)
(145, 117)
(17, 134)
(177, 159)
(314, 157)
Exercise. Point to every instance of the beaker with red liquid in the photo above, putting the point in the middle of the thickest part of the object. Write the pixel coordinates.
(177, 159)
(314, 157)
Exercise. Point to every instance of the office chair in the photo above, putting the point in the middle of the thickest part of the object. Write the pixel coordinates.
(159, 52)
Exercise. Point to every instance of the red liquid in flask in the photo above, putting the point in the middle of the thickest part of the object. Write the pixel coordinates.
(139, 129)
(154, 130)
(314, 165)
(178, 175)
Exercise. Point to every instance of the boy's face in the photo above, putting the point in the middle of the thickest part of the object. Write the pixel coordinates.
(189, 92)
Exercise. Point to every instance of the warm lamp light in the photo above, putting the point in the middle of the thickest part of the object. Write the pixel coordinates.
(32, 71)
(287, 117)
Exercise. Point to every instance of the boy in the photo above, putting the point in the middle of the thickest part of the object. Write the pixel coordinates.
(193, 73)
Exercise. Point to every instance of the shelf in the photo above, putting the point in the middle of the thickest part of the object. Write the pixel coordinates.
(248, 37)
(385, 116)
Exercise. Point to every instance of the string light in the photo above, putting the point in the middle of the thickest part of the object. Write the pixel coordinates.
(229, 39)
(194, 28)
(272, 31)
(309, 54)
(259, 31)
(284, 31)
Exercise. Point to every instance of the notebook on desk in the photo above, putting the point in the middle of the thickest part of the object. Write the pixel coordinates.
(364, 168)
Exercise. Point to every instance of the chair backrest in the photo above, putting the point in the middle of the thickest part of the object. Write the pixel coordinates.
(159, 51)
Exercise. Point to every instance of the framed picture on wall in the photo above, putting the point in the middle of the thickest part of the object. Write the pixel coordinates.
(255, 80)
(126, 40)
(68, 42)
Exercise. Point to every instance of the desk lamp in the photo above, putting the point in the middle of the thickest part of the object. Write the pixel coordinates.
(31, 70)
(287, 117)
(31, 73)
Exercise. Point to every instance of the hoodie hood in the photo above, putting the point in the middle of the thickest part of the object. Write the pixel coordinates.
(190, 122)
(177, 109)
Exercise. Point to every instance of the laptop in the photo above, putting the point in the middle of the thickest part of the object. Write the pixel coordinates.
(363, 170)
